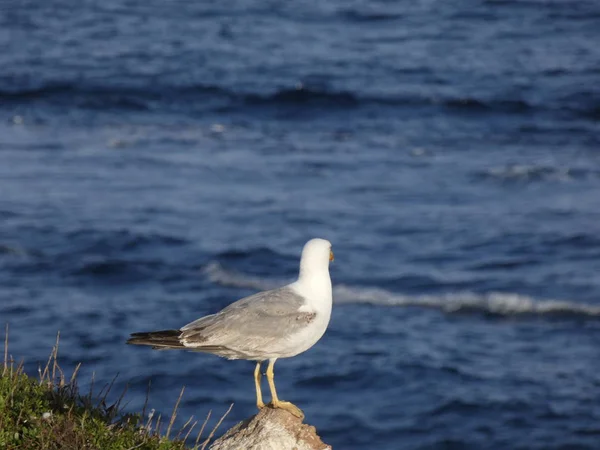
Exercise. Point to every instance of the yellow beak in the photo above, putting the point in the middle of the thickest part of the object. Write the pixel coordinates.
(331, 258)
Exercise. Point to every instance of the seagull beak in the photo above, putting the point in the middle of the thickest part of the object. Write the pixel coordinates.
(331, 258)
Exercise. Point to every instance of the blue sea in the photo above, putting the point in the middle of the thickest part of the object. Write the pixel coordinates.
(161, 159)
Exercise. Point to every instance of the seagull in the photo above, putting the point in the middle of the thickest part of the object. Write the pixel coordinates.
(273, 324)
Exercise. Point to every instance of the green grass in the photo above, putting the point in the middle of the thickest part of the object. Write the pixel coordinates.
(49, 413)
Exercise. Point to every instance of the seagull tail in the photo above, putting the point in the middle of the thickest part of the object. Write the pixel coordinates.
(157, 339)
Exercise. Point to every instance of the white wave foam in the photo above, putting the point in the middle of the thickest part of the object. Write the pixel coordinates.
(217, 274)
(501, 303)
(517, 172)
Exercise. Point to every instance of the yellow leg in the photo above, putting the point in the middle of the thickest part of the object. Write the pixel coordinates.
(257, 376)
(275, 402)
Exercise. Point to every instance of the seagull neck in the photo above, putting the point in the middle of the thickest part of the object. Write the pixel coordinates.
(311, 273)
(314, 282)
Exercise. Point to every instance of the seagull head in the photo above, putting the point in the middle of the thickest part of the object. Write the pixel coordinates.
(316, 255)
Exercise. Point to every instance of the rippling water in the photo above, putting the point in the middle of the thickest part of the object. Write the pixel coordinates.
(160, 160)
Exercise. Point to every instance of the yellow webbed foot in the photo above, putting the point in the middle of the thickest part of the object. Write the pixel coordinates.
(289, 407)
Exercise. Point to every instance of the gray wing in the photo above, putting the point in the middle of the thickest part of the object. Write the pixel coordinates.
(252, 322)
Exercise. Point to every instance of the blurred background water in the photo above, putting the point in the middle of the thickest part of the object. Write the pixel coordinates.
(161, 159)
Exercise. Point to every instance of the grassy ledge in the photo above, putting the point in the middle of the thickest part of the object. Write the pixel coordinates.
(49, 413)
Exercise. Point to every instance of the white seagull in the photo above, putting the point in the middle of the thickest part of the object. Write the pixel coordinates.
(269, 325)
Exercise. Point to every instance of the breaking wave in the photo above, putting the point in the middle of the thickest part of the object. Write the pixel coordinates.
(495, 303)
(124, 95)
(532, 173)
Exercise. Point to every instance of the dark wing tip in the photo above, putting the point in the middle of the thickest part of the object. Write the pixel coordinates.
(163, 338)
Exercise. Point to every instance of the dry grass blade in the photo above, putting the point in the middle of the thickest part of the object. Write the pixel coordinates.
(147, 397)
(214, 430)
(55, 356)
(87, 400)
(148, 425)
(114, 409)
(202, 429)
(77, 367)
(157, 426)
(177, 438)
(105, 391)
(136, 446)
(12, 371)
(46, 371)
(5, 351)
(174, 414)
(187, 435)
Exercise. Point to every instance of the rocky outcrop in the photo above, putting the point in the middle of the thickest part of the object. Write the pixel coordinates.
(271, 429)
